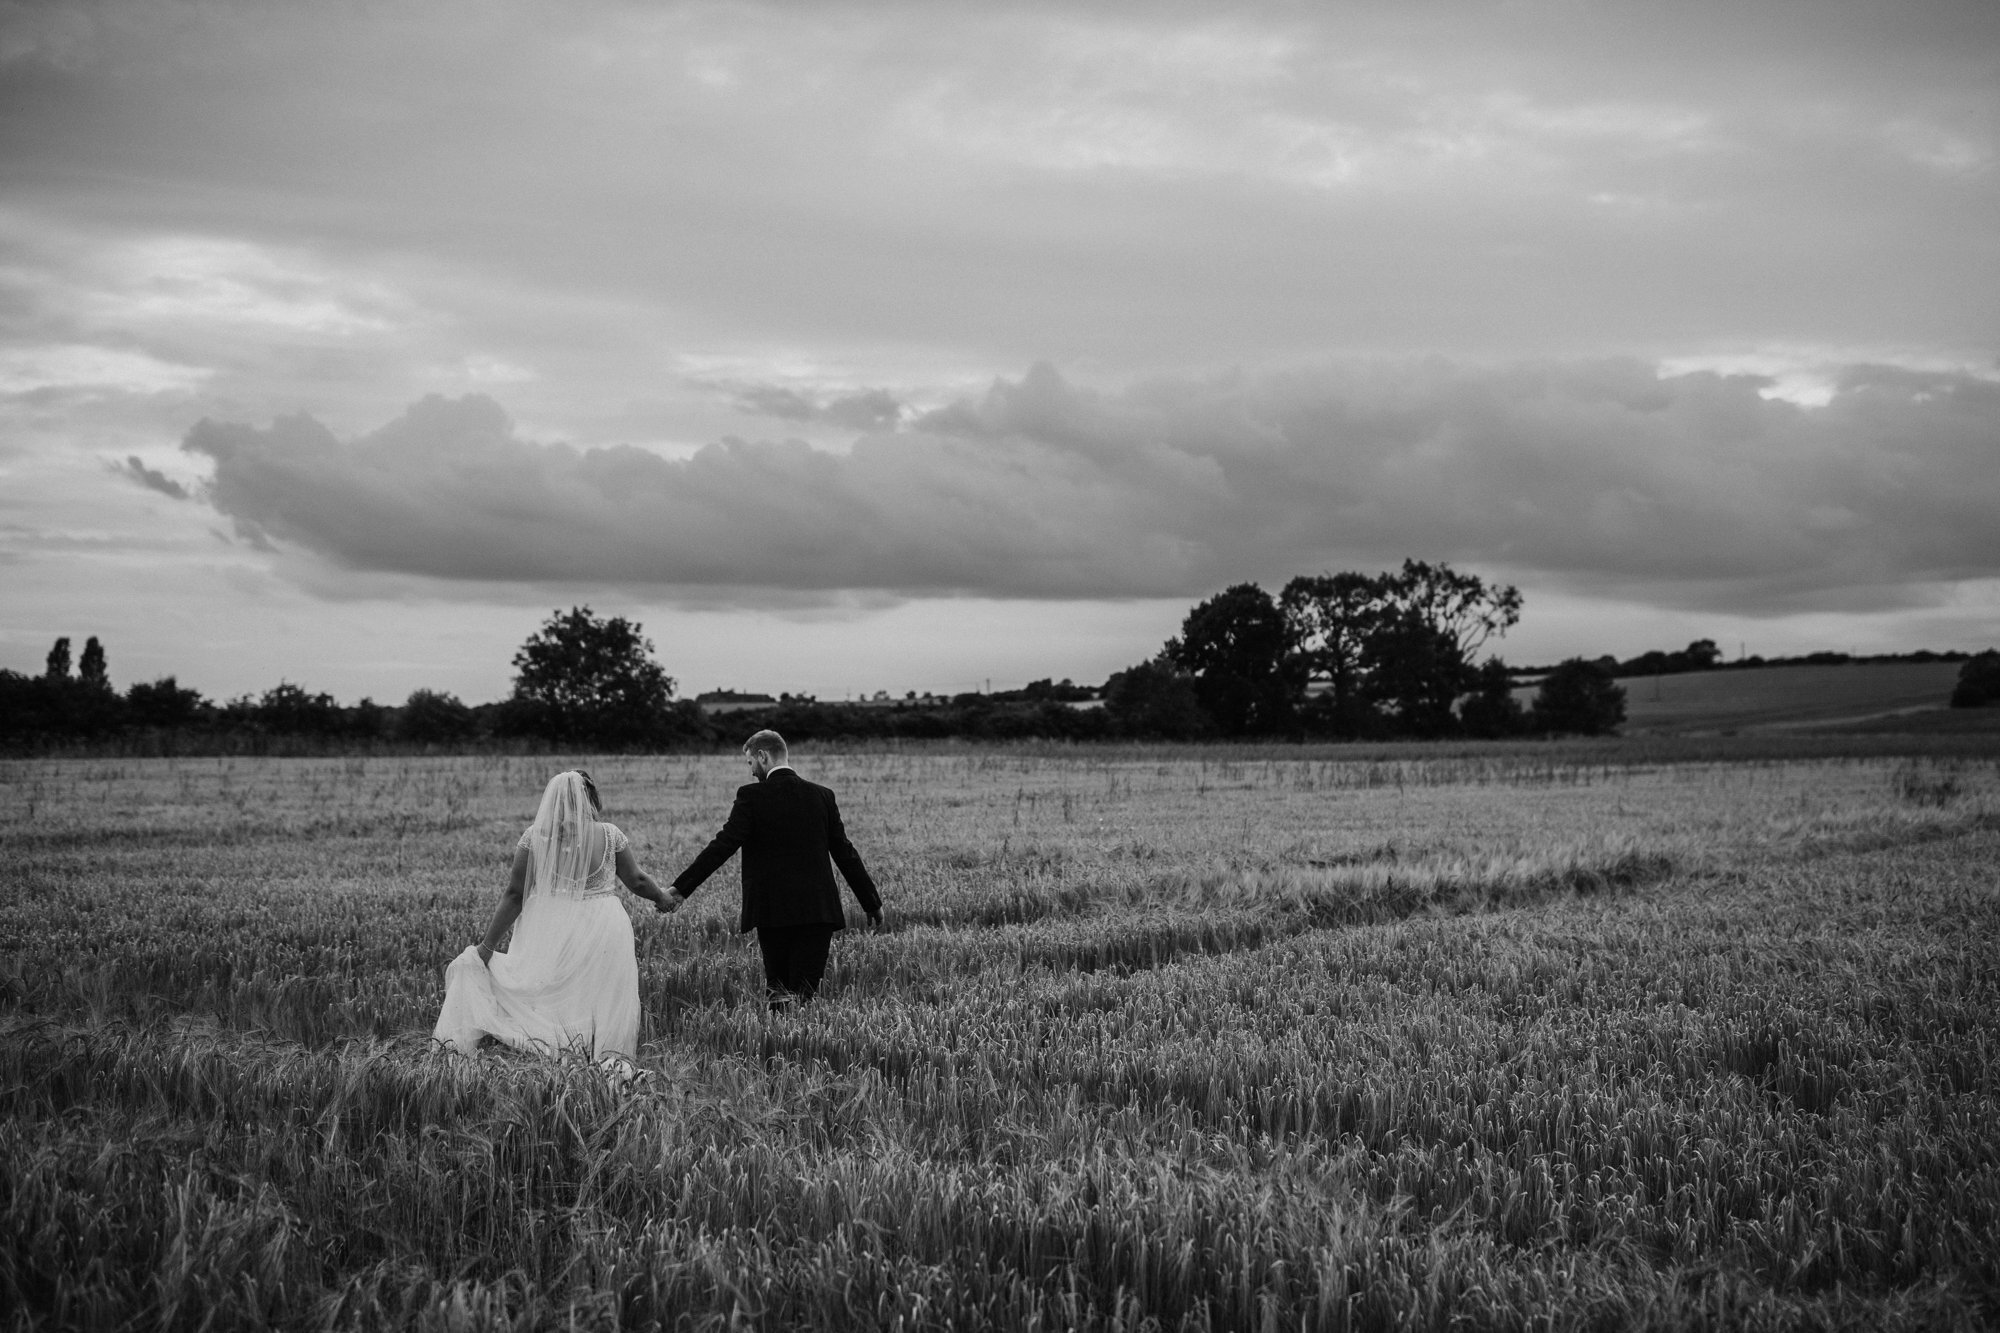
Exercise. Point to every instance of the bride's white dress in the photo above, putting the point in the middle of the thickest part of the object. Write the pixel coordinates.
(570, 978)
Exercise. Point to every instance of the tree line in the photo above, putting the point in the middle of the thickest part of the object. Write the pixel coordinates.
(580, 680)
(1354, 656)
(1705, 655)
(1337, 656)
(1346, 656)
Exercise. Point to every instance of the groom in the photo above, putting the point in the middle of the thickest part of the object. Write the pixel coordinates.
(788, 828)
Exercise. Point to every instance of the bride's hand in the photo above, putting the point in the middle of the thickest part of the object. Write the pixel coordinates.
(485, 956)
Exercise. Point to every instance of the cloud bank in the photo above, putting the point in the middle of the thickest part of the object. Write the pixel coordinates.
(1697, 489)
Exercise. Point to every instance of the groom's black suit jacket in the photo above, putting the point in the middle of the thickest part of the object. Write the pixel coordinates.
(788, 829)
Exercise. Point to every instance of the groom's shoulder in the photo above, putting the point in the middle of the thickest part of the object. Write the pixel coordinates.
(800, 782)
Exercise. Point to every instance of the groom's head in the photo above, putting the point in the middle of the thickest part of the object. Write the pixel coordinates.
(765, 751)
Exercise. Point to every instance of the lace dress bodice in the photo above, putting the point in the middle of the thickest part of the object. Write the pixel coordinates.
(604, 872)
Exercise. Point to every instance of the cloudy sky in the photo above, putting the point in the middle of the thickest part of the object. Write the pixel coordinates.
(904, 346)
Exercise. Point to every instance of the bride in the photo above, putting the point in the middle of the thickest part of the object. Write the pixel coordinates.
(570, 977)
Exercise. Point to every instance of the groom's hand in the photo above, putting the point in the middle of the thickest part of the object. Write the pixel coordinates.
(875, 919)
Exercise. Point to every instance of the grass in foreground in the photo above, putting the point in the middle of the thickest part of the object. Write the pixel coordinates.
(1159, 1044)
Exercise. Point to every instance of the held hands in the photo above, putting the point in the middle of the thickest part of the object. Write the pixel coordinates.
(669, 903)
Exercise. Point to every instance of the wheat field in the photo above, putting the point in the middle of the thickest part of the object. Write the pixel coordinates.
(1521, 1038)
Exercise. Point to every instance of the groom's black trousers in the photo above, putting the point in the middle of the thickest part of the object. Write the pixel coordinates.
(794, 960)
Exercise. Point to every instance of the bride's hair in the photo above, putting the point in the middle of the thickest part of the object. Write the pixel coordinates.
(567, 841)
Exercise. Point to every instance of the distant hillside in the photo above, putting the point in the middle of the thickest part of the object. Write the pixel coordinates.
(1863, 695)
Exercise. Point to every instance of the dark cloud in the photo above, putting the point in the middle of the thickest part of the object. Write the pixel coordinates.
(1603, 476)
(772, 400)
(872, 409)
(149, 478)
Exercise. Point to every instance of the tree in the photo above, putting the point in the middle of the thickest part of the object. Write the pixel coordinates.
(1978, 682)
(583, 679)
(24, 706)
(1154, 701)
(60, 704)
(1579, 697)
(287, 710)
(1415, 675)
(1701, 655)
(367, 720)
(434, 717)
(1057, 691)
(163, 703)
(91, 672)
(1435, 620)
(1238, 647)
(1461, 607)
(1332, 619)
(1491, 711)
(1395, 648)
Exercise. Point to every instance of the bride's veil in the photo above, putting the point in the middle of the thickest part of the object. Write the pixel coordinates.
(566, 844)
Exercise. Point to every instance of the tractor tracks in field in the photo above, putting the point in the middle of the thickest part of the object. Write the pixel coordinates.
(1179, 914)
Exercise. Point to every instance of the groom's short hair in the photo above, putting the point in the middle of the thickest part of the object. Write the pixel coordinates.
(767, 742)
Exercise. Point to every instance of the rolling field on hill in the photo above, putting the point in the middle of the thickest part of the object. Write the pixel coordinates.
(1799, 697)
(1533, 1036)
